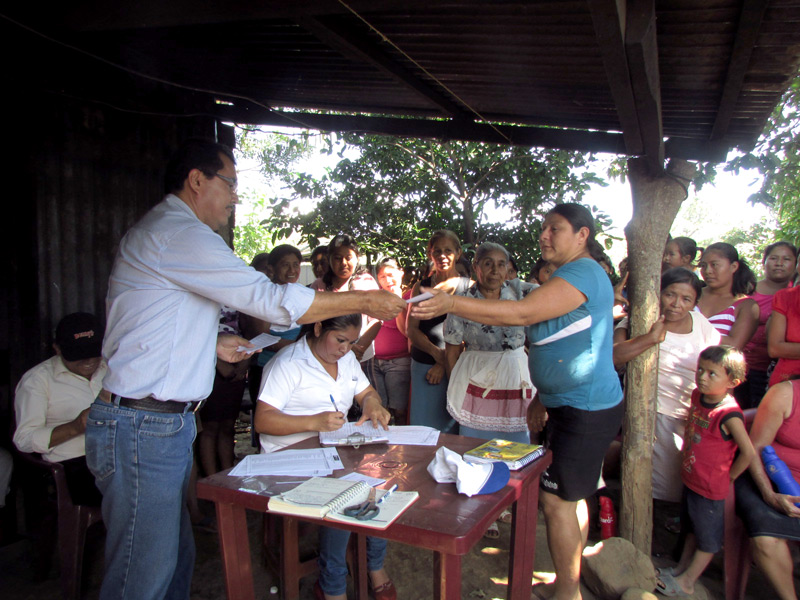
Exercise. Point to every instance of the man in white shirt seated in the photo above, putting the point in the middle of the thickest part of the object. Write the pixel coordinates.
(52, 402)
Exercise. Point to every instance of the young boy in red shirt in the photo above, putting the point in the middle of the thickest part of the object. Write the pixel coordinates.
(714, 431)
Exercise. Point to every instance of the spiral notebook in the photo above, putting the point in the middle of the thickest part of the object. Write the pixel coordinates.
(327, 497)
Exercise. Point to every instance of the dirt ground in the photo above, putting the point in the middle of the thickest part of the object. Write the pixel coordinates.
(484, 569)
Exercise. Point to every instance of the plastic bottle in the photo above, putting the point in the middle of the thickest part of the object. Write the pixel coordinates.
(608, 518)
(779, 473)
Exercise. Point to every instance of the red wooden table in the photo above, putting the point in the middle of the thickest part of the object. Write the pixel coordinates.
(441, 520)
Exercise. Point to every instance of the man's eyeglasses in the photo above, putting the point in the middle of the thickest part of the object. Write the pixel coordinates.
(232, 183)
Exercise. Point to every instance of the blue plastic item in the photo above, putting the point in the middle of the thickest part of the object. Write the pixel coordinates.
(779, 473)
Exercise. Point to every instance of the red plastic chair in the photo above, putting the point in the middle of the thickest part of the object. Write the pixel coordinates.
(73, 522)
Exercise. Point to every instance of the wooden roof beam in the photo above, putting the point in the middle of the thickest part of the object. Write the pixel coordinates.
(543, 137)
(357, 46)
(747, 32)
(442, 129)
(609, 17)
(641, 49)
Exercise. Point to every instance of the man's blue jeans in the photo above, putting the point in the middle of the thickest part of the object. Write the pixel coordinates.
(332, 558)
(141, 461)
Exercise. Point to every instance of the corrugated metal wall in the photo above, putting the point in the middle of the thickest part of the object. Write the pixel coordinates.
(84, 175)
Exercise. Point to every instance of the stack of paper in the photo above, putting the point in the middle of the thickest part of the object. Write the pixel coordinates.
(315, 462)
(413, 435)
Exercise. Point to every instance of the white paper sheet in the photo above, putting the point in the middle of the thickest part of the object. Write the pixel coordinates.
(261, 341)
(315, 462)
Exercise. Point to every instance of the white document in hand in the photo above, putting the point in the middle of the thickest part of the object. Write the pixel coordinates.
(261, 341)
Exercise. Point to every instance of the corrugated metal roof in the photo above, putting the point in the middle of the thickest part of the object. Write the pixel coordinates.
(721, 65)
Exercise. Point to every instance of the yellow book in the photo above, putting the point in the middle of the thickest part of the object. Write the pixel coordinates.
(515, 454)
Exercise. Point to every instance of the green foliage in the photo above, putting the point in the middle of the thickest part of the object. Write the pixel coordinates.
(277, 154)
(777, 158)
(750, 242)
(392, 193)
(252, 236)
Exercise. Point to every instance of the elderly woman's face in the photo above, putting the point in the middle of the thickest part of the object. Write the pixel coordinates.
(491, 270)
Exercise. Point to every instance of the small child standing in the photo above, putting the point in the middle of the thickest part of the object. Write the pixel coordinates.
(714, 430)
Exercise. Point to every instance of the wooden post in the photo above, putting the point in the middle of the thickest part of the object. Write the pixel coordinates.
(656, 200)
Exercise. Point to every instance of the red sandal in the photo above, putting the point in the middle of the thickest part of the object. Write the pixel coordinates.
(385, 591)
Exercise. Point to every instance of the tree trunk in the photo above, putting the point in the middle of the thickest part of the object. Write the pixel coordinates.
(656, 200)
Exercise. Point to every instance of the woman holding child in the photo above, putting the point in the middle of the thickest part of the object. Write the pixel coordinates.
(307, 388)
(570, 325)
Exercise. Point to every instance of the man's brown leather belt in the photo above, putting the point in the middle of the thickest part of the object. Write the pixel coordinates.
(151, 404)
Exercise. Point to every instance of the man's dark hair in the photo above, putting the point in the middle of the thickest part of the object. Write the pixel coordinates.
(194, 154)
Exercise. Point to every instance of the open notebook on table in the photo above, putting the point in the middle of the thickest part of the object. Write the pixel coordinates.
(326, 498)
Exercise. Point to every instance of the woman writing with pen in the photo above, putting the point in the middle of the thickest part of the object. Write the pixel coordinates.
(307, 388)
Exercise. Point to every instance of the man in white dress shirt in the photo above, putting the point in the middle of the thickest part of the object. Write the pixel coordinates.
(169, 279)
(52, 402)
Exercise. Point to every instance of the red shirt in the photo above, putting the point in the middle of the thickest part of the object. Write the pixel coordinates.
(707, 451)
(787, 438)
(787, 303)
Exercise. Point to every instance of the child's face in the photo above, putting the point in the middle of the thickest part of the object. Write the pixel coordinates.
(712, 380)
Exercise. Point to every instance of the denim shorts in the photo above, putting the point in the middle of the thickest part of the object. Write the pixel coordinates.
(705, 518)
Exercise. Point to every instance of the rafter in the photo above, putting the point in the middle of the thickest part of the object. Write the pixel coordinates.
(357, 46)
(746, 35)
(608, 17)
(641, 50)
(542, 137)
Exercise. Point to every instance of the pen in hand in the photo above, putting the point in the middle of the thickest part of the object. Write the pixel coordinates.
(334, 404)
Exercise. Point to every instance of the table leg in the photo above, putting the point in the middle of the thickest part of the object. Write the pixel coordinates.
(447, 576)
(523, 543)
(290, 559)
(235, 549)
(359, 566)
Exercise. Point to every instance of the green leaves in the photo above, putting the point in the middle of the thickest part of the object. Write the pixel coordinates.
(393, 193)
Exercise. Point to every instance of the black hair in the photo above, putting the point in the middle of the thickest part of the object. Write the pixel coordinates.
(681, 275)
(744, 280)
(768, 250)
(318, 250)
(260, 262)
(540, 262)
(333, 324)
(195, 154)
(278, 252)
(579, 217)
(686, 246)
(731, 359)
(339, 241)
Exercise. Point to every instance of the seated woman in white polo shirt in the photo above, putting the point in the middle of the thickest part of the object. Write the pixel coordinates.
(306, 388)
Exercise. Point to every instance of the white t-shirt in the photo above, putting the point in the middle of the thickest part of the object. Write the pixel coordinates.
(296, 383)
(677, 364)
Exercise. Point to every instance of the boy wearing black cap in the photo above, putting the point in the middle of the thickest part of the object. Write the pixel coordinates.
(52, 402)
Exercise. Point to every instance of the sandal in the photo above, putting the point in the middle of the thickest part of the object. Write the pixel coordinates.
(493, 532)
(669, 586)
(673, 525)
(666, 571)
(385, 591)
(506, 517)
